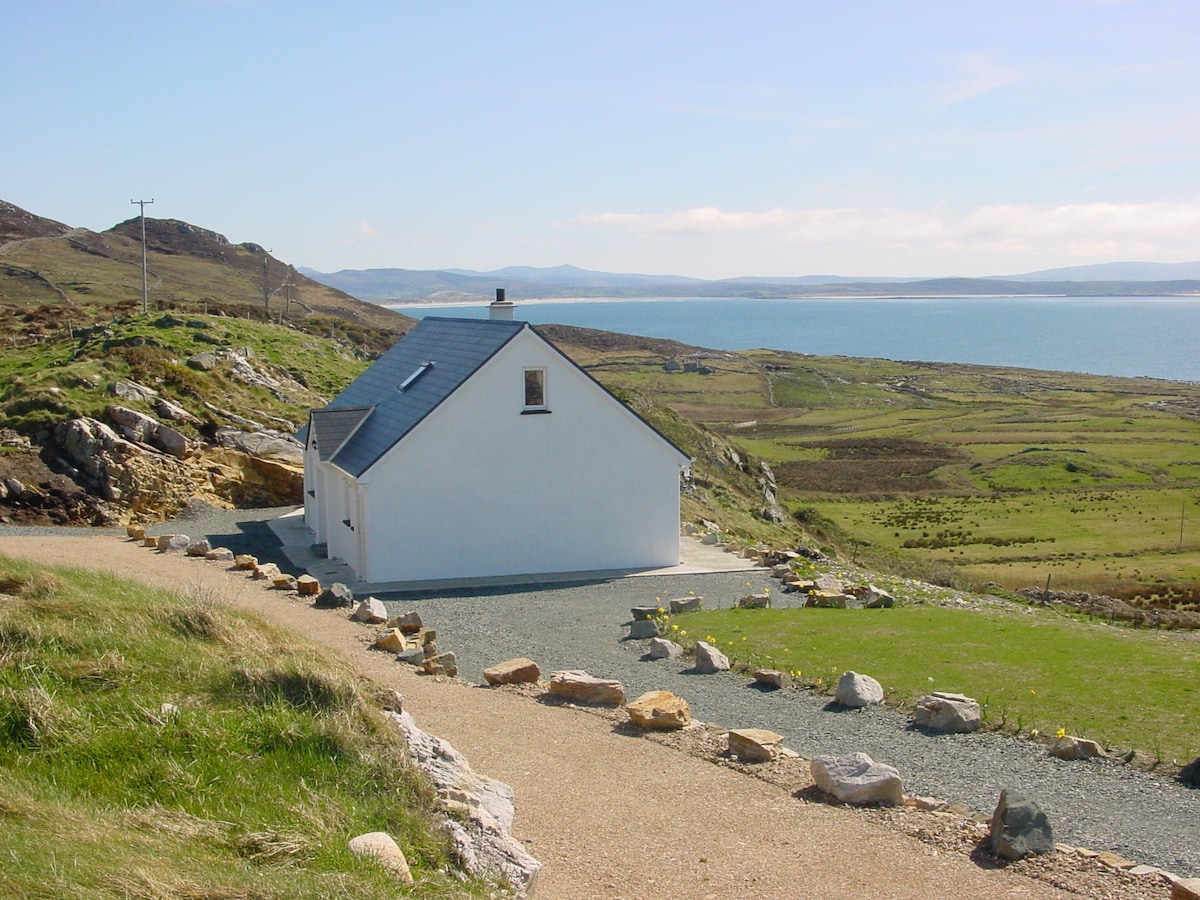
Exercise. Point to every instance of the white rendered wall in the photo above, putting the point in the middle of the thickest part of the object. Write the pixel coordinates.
(478, 489)
(341, 504)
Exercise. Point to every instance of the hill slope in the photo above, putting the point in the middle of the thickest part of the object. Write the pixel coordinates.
(53, 277)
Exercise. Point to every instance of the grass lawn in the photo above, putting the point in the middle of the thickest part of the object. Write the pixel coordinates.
(266, 759)
(1028, 668)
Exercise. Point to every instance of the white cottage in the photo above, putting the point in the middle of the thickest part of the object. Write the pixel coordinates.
(475, 448)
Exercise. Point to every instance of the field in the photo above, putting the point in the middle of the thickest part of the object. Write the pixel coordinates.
(1030, 668)
(995, 475)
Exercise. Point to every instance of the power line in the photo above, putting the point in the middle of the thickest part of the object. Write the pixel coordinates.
(145, 286)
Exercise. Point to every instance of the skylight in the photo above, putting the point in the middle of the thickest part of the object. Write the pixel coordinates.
(421, 370)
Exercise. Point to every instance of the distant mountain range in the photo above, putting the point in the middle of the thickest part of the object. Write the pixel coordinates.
(530, 283)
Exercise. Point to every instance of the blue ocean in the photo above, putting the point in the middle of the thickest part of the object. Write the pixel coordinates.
(1135, 336)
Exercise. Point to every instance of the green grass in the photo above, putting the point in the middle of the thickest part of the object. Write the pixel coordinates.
(1013, 457)
(61, 377)
(272, 759)
(1029, 668)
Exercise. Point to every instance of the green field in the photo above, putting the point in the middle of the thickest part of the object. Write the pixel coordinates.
(1030, 668)
(995, 475)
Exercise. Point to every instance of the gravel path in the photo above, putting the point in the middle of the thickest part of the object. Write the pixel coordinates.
(1103, 806)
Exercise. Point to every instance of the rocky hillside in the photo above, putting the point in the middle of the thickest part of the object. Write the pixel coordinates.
(108, 415)
(131, 420)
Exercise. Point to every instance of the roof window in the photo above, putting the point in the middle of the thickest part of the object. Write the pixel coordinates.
(421, 370)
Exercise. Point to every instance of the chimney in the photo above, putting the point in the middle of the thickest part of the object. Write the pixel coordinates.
(500, 310)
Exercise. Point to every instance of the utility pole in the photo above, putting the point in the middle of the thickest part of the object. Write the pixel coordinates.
(266, 288)
(145, 287)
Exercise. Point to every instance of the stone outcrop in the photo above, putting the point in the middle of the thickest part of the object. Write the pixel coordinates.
(1020, 828)
(709, 659)
(580, 687)
(856, 691)
(480, 831)
(137, 426)
(942, 711)
(158, 471)
(659, 711)
(513, 671)
(858, 779)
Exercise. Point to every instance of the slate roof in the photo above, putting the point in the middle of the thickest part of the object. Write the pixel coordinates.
(456, 347)
(331, 427)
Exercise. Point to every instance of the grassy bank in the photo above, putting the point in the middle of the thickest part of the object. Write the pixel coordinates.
(1029, 668)
(155, 745)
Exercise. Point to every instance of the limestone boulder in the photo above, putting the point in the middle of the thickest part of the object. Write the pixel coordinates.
(173, 543)
(370, 610)
(380, 847)
(685, 604)
(754, 744)
(943, 711)
(264, 572)
(858, 779)
(408, 622)
(659, 711)
(830, 583)
(391, 641)
(580, 687)
(221, 554)
(754, 601)
(513, 671)
(1070, 747)
(308, 586)
(1020, 828)
(772, 678)
(709, 659)
(661, 648)
(199, 547)
(641, 629)
(856, 691)
(245, 562)
(641, 613)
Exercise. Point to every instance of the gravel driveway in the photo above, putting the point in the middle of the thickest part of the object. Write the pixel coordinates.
(1104, 806)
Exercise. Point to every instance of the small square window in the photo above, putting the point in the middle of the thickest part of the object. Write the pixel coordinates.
(535, 388)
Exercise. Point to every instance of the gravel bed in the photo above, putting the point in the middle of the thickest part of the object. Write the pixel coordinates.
(1101, 805)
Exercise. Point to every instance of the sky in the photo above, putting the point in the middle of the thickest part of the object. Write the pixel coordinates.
(715, 140)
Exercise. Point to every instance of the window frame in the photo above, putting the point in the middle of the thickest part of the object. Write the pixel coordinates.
(541, 383)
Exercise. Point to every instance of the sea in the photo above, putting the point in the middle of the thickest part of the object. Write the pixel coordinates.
(1156, 337)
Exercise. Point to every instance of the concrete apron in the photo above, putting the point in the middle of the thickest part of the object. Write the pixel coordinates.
(296, 542)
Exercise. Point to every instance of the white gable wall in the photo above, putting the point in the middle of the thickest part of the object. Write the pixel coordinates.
(478, 489)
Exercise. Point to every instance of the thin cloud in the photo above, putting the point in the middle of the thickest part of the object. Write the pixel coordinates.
(1091, 230)
(366, 230)
(980, 74)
